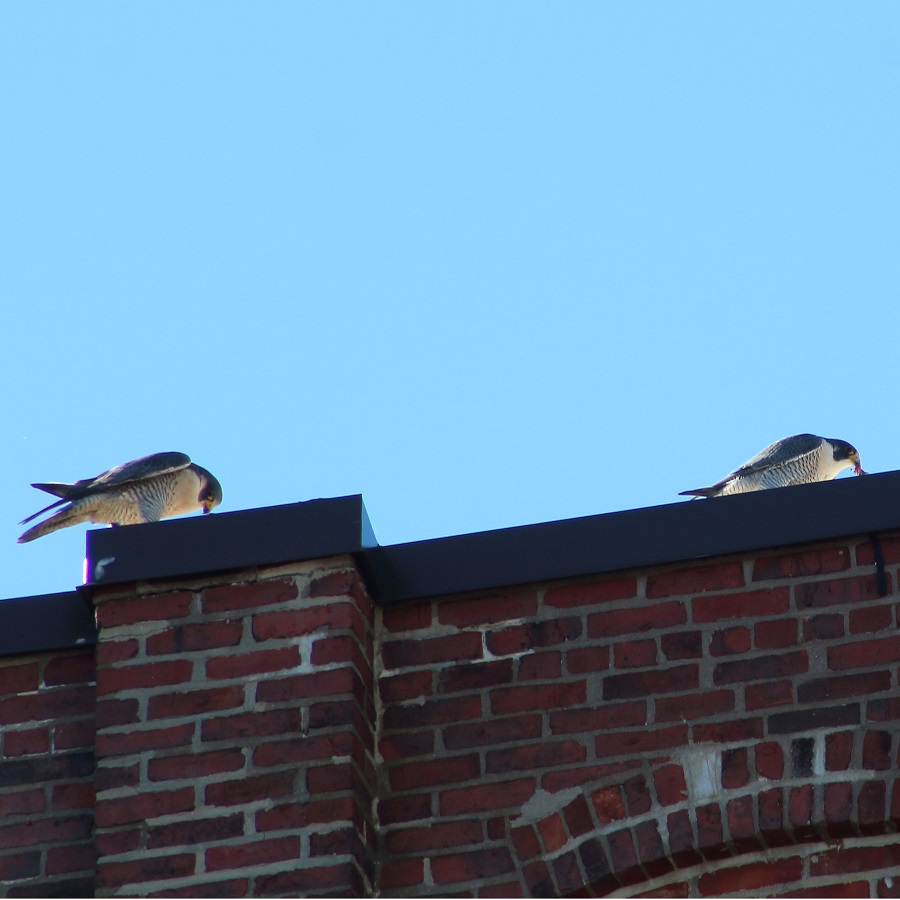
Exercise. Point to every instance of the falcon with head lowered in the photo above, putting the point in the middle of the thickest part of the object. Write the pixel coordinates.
(143, 490)
(799, 459)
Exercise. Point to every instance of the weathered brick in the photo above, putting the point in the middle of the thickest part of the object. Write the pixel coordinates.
(232, 597)
(694, 706)
(634, 654)
(143, 806)
(473, 864)
(432, 712)
(153, 608)
(241, 665)
(120, 743)
(800, 806)
(192, 637)
(735, 773)
(192, 832)
(739, 813)
(621, 849)
(71, 858)
(435, 836)
(75, 795)
(18, 679)
(481, 797)
(730, 640)
(20, 803)
(252, 853)
(823, 627)
(591, 593)
(331, 682)
(474, 676)
(446, 770)
(26, 741)
(845, 860)
(761, 667)
(252, 724)
(696, 579)
(535, 756)
(628, 742)
(775, 634)
(540, 666)
(728, 732)
(682, 645)
(770, 693)
(143, 675)
(750, 877)
(840, 686)
(577, 817)
(635, 619)
(301, 815)
(405, 686)
(538, 697)
(195, 765)
(46, 705)
(604, 717)
(870, 805)
(807, 562)
(482, 611)
(518, 638)
(743, 605)
(195, 703)
(413, 617)
(877, 750)
(399, 654)
(76, 735)
(803, 720)
(818, 594)
(670, 785)
(492, 731)
(870, 619)
(400, 873)
(587, 659)
(838, 750)
(552, 832)
(642, 684)
(75, 668)
(770, 808)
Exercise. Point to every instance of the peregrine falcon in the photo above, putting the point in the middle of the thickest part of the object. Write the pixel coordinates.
(143, 490)
(792, 460)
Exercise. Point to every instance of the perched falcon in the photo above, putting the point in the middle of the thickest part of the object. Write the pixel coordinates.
(143, 490)
(792, 460)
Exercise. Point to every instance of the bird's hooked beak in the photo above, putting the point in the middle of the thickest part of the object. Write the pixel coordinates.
(857, 468)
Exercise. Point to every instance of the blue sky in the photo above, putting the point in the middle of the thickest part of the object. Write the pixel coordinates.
(485, 264)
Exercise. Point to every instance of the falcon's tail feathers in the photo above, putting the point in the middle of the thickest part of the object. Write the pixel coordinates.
(40, 512)
(57, 488)
(71, 515)
(701, 492)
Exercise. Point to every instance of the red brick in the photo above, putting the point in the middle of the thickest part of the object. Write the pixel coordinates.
(587, 659)
(693, 706)
(193, 832)
(771, 810)
(328, 779)
(341, 583)
(188, 638)
(302, 815)
(540, 666)
(890, 550)
(743, 605)
(139, 741)
(838, 803)
(435, 836)
(243, 790)
(331, 682)
(625, 743)
(487, 610)
(229, 597)
(397, 619)
(883, 709)
(432, 712)
(838, 750)
(535, 756)
(77, 795)
(255, 853)
(20, 803)
(696, 579)
(635, 619)
(864, 654)
(72, 669)
(117, 712)
(195, 703)
(52, 704)
(288, 623)
(709, 829)
(528, 636)
(870, 619)
(399, 873)
(871, 804)
(71, 858)
(606, 716)
(143, 675)
(471, 865)
(634, 654)
(578, 817)
(769, 761)
(525, 841)
(643, 684)
(18, 866)
(751, 877)
(308, 881)
(446, 770)
(552, 832)
(761, 667)
(877, 750)
(823, 627)
(240, 665)
(26, 741)
(591, 593)
(195, 765)
(428, 651)
(622, 852)
(771, 693)
(728, 732)
(143, 806)
(854, 859)
(19, 679)
(110, 652)
(343, 648)
(405, 808)
(844, 591)
(252, 724)
(650, 848)
(775, 634)
(800, 806)
(735, 773)
(670, 785)
(839, 686)
(474, 676)
(492, 731)
(730, 640)
(682, 645)
(739, 812)
(537, 697)
(58, 830)
(151, 608)
(609, 804)
(806, 562)
(483, 797)
(145, 868)
(407, 686)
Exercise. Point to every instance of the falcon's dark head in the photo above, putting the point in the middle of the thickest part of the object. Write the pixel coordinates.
(842, 451)
(210, 495)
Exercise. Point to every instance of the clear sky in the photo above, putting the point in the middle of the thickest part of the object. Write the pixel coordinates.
(487, 264)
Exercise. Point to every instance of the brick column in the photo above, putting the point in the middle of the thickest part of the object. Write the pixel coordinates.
(235, 735)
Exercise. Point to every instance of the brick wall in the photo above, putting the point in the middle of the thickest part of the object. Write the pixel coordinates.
(235, 737)
(46, 774)
(723, 727)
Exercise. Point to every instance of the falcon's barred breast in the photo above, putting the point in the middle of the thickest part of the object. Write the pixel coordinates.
(144, 490)
(798, 459)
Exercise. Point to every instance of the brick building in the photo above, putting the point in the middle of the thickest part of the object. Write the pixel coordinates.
(688, 700)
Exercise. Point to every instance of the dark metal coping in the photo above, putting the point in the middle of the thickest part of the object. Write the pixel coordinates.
(633, 539)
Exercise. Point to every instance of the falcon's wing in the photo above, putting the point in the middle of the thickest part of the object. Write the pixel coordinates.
(782, 451)
(136, 470)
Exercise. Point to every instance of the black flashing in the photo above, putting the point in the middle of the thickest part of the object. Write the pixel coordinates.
(225, 541)
(46, 622)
